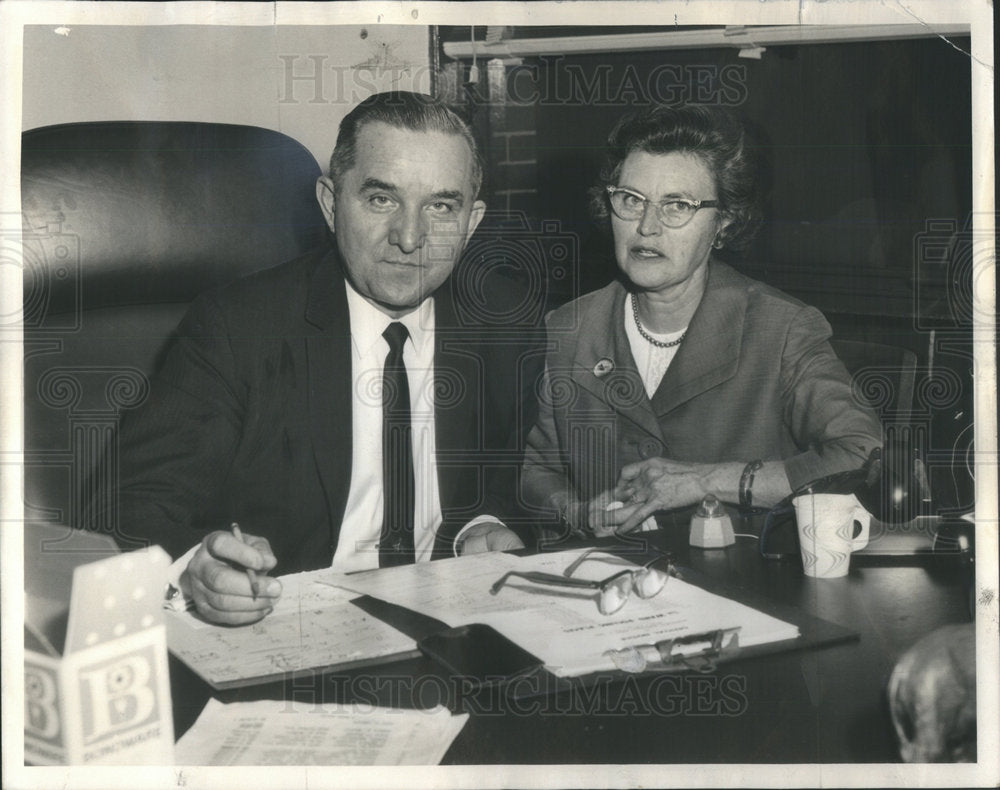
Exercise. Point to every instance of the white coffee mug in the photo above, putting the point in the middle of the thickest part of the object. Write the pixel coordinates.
(826, 532)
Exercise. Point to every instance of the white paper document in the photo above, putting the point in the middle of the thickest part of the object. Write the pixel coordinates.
(276, 732)
(561, 626)
(313, 625)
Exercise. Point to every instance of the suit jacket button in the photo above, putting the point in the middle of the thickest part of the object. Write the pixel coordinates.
(650, 448)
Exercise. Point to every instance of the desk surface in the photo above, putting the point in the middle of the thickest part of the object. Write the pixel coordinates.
(811, 706)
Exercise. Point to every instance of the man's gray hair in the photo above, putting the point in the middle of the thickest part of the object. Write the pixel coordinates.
(417, 112)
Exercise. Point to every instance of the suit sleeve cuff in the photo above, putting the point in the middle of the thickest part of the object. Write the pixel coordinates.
(175, 597)
(460, 539)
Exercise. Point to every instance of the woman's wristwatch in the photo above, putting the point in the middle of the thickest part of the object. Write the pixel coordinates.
(746, 483)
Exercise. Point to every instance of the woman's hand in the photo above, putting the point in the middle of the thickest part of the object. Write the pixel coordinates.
(651, 485)
(585, 517)
(595, 513)
(601, 516)
(659, 484)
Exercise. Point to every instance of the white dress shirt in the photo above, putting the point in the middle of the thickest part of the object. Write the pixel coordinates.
(357, 546)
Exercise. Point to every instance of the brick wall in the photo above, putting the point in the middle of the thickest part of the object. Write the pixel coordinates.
(507, 130)
(514, 147)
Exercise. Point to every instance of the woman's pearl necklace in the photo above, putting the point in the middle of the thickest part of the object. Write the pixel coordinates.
(649, 337)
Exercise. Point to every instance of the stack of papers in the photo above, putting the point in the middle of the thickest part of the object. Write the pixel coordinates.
(561, 626)
(313, 626)
(275, 732)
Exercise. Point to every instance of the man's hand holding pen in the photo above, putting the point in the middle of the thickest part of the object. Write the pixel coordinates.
(218, 582)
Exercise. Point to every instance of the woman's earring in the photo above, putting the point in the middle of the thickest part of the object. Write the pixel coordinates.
(717, 242)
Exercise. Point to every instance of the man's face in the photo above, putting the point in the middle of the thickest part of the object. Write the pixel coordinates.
(402, 214)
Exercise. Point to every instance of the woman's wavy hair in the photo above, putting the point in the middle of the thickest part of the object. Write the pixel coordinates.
(713, 134)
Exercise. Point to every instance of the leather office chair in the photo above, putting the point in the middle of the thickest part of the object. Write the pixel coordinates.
(882, 376)
(124, 224)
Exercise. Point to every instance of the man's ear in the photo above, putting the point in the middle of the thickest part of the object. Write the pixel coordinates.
(327, 198)
(475, 217)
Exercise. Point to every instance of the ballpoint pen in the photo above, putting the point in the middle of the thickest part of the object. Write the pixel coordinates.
(251, 575)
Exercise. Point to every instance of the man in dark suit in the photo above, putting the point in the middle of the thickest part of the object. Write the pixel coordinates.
(278, 405)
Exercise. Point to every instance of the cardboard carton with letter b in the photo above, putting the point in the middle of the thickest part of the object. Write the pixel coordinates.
(96, 684)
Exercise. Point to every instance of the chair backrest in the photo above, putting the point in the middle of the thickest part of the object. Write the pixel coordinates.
(881, 375)
(124, 224)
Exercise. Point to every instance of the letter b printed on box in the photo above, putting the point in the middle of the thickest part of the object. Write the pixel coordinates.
(41, 704)
(117, 695)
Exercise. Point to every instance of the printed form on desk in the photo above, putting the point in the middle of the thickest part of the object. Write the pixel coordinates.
(275, 732)
(313, 626)
(561, 626)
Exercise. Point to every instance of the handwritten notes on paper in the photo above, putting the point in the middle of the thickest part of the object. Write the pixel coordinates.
(562, 626)
(313, 626)
(275, 732)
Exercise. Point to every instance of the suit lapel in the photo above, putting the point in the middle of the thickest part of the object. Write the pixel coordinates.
(454, 367)
(710, 353)
(603, 363)
(328, 351)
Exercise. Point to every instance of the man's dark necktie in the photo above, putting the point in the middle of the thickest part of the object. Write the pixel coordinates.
(396, 542)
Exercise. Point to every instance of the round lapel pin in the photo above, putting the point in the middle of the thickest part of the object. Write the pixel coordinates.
(603, 367)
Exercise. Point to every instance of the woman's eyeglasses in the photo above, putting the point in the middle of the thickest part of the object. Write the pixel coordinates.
(629, 205)
(614, 591)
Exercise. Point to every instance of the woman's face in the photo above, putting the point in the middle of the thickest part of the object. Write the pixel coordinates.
(653, 256)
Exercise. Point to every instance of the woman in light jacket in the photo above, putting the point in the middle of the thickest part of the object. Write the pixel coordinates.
(683, 377)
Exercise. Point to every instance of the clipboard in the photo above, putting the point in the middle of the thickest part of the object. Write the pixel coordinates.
(708, 651)
(694, 652)
(703, 652)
